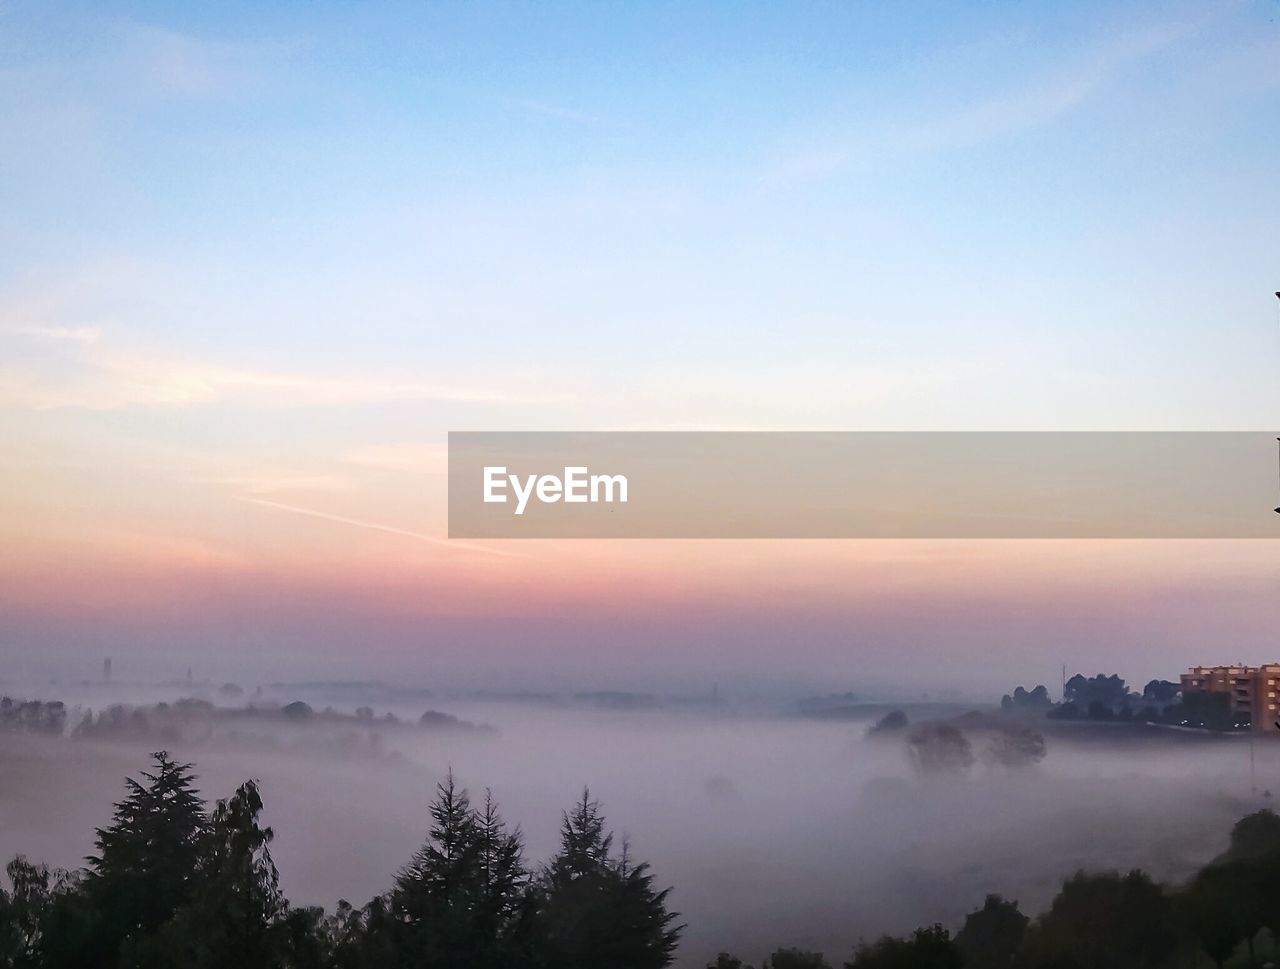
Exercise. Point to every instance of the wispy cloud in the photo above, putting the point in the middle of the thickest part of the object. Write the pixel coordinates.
(57, 334)
(1039, 101)
(377, 527)
(410, 458)
(272, 483)
(92, 375)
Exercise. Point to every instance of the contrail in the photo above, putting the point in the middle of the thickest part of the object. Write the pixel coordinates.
(389, 529)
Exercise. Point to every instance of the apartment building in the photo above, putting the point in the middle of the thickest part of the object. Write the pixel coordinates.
(1253, 690)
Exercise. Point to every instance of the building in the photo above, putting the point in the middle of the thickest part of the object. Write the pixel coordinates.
(1252, 690)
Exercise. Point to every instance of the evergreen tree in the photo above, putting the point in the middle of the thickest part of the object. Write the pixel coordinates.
(597, 912)
(454, 904)
(236, 917)
(147, 860)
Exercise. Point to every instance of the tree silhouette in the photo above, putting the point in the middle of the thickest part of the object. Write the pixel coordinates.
(236, 917)
(726, 961)
(991, 935)
(597, 912)
(939, 750)
(1104, 921)
(145, 868)
(1254, 836)
(927, 948)
(796, 959)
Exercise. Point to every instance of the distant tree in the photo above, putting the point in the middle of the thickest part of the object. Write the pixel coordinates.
(1027, 701)
(1209, 710)
(297, 710)
(1103, 921)
(726, 961)
(598, 912)
(1100, 711)
(927, 948)
(1069, 710)
(1253, 837)
(939, 749)
(795, 959)
(1161, 691)
(891, 722)
(992, 935)
(1016, 748)
(147, 858)
(1107, 691)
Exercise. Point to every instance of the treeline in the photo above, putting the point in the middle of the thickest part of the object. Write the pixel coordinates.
(173, 885)
(1229, 911)
(1105, 697)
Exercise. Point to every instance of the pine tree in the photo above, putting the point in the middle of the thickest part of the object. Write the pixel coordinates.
(434, 907)
(598, 912)
(503, 878)
(236, 917)
(147, 860)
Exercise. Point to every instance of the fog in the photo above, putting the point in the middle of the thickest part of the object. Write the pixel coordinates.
(772, 829)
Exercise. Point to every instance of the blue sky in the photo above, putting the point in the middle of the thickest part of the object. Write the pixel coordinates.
(252, 247)
(1084, 191)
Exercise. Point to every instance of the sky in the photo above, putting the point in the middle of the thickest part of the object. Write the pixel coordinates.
(260, 259)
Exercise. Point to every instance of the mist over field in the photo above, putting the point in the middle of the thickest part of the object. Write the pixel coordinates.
(773, 829)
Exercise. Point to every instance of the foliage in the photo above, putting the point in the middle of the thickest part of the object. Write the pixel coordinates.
(926, 948)
(174, 887)
(1107, 691)
(796, 959)
(992, 935)
(1016, 748)
(598, 911)
(1104, 921)
(939, 749)
(891, 722)
(1023, 700)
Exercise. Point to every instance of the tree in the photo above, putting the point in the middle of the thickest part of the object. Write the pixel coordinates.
(236, 917)
(145, 868)
(1253, 837)
(1108, 691)
(1104, 921)
(1016, 748)
(796, 959)
(927, 948)
(23, 913)
(1225, 905)
(891, 722)
(726, 961)
(992, 934)
(939, 749)
(598, 912)
(1027, 701)
(1161, 691)
(1210, 710)
(433, 908)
